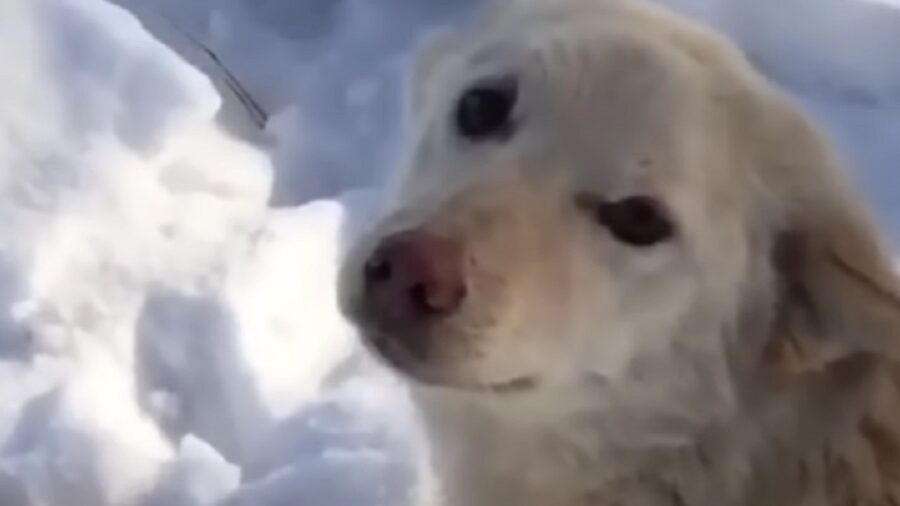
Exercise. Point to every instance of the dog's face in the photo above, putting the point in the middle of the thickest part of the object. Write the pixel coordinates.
(577, 200)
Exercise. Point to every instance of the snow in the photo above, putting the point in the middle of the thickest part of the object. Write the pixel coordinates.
(168, 334)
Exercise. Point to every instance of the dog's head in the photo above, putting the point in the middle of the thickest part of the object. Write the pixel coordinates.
(597, 189)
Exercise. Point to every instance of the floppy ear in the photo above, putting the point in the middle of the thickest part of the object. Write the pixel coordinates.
(838, 292)
(838, 296)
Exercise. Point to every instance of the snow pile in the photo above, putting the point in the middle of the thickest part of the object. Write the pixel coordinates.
(168, 335)
(164, 337)
(116, 187)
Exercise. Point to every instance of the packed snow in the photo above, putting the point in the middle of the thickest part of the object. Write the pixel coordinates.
(168, 334)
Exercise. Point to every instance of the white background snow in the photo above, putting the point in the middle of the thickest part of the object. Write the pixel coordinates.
(168, 335)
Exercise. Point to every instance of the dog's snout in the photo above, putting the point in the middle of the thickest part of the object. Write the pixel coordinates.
(413, 278)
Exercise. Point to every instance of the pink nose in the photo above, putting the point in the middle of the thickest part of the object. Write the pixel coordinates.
(412, 279)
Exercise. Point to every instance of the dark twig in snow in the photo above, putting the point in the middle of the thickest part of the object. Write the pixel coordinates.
(257, 114)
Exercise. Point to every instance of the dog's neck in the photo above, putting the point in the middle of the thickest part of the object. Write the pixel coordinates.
(677, 436)
(540, 447)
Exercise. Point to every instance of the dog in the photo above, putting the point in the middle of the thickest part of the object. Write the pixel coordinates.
(618, 267)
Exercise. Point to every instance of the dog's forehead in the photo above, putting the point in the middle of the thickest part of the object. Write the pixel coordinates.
(612, 102)
(609, 99)
(586, 68)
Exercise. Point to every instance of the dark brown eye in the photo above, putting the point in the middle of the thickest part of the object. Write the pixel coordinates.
(639, 221)
(485, 111)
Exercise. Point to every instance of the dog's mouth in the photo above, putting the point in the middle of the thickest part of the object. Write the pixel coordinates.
(517, 386)
(416, 368)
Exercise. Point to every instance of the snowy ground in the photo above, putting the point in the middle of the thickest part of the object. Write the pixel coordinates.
(167, 330)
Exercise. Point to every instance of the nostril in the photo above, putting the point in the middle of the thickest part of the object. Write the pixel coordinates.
(419, 297)
(378, 269)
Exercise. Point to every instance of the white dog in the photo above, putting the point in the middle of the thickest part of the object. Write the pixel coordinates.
(619, 268)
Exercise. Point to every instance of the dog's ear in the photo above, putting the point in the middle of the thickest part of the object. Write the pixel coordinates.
(838, 292)
(838, 296)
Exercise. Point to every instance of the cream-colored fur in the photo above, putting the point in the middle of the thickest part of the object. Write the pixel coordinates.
(751, 360)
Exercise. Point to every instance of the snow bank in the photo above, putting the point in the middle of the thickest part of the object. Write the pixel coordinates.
(115, 184)
(164, 338)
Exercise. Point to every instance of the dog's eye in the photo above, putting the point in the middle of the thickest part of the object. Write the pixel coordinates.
(639, 221)
(485, 110)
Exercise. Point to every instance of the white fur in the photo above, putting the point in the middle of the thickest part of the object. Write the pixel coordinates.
(733, 365)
